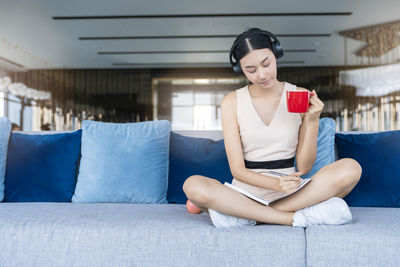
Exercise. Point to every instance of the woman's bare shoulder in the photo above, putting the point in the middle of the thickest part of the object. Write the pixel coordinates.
(229, 100)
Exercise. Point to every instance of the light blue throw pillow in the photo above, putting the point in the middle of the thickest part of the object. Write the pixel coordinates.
(325, 146)
(124, 162)
(5, 129)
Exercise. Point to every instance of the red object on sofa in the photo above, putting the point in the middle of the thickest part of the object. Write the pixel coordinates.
(192, 208)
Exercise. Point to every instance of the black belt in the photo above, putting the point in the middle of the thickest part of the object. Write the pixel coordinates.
(273, 164)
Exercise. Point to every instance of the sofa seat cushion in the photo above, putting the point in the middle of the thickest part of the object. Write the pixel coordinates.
(127, 234)
(371, 239)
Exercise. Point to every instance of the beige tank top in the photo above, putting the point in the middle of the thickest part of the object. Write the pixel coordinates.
(267, 147)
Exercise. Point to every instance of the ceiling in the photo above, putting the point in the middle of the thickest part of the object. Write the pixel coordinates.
(97, 34)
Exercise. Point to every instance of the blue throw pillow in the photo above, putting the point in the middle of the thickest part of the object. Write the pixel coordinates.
(42, 167)
(379, 156)
(325, 146)
(190, 156)
(5, 129)
(124, 162)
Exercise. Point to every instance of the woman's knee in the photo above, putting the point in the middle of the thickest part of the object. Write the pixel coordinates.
(350, 171)
(189, 184)
(197, 188)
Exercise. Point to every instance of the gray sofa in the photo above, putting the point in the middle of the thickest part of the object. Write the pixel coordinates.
(119, 234)
(78, 234)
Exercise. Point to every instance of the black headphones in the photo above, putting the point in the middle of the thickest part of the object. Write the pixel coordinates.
(276, 48)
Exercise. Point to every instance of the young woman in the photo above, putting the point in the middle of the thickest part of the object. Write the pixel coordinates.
(261, 135)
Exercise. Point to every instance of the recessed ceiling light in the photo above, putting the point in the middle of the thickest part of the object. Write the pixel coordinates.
(316, 43)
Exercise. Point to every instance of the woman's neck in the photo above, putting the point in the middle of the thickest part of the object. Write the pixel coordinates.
(276, 89)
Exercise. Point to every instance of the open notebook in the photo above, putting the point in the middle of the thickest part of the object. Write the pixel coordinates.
(264, 201)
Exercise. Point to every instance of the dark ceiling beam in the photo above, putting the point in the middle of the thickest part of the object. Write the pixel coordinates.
(192, 36)
(11, 62)
(190, 52)
(169, 64)
(194, 63)
(220, 15)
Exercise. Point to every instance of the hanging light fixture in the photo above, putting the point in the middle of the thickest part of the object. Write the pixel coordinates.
(21, 90)
(375, 81)
(379, 39)
(4, 83)
(17, 89)
(382, 41)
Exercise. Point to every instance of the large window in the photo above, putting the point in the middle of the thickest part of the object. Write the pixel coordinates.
(182, 109)
(13, 108)
(196, 110)
(2, 108)
(195, 104)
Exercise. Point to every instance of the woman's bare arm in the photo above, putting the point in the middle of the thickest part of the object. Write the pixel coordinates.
(308, 134)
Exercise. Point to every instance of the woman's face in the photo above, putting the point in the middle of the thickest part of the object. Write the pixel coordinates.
(259, 66)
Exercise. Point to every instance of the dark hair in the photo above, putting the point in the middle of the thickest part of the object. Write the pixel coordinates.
(249, 42)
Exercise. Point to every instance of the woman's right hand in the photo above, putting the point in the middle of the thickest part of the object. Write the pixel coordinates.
(289, 184)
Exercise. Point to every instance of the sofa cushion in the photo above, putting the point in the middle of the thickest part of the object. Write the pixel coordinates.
(378, 154)
(5, 129)
(124, 162)
(194, 155)
(325, 146)
(371, 239)
(127, 234)
(42, 167)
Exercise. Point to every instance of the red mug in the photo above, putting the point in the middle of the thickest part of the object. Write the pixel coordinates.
(297, 100)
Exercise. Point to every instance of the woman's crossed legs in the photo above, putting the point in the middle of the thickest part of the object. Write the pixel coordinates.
(336, 179)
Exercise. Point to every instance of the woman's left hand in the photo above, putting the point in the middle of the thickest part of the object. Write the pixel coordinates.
(315, 108)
